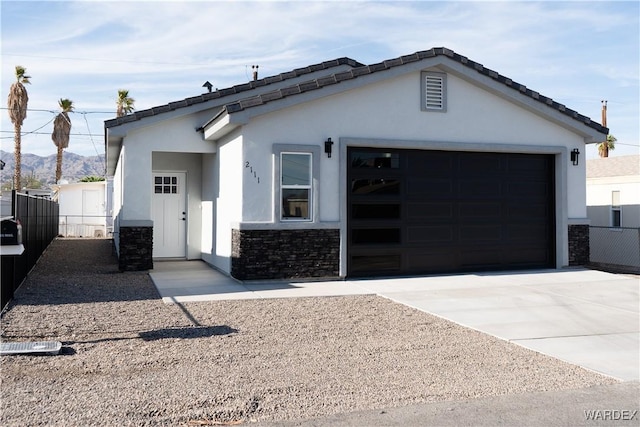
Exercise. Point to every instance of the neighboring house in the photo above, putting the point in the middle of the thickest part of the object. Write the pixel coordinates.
(426, 163)
(613, 207)
(82, 209)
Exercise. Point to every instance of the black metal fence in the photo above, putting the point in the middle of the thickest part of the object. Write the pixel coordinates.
(39, 219)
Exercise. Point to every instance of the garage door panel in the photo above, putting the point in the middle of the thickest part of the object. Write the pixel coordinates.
(376, 236)
(528, 212)
(421, 188)
(373, 264)
(428, 211)
(526, 232)
(480, 164)
(375, 211)
(480, 258)
(534, 190)
(450, 211)
(429, 234)
(419, 261)
(480, 189)
(374, 159)
(524, 164)
(375, 186)
(479, 210)
(523, 256)
(480, 233)
(439, 164)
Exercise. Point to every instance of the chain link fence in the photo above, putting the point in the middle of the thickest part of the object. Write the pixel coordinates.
(91, 226)
(615, 249)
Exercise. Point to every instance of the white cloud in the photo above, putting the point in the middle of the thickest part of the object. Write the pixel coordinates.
(164, 51)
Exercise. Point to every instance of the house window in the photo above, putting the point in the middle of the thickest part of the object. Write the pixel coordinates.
(296, 177)
(616, 209)
(165, 185)
(433, 91)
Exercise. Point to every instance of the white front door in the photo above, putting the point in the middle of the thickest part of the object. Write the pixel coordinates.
(169, 215)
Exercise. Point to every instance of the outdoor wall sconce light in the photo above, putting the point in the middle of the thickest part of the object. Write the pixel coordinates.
(574, 156)
(327, 147)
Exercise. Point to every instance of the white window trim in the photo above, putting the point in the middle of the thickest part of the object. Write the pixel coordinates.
(314, 151)
(615, 207)
(424, 105)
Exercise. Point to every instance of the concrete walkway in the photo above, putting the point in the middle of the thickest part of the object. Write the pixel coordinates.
(585, 317)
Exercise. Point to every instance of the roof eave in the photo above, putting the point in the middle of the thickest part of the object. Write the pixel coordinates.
(113, 146)
(530, 100)
(475, 73)
(223, 124)
(221, 97)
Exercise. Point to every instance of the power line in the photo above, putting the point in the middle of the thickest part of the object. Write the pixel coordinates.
(56, 112)
(48, 133)
(92, 142)
(630, 145)
(34, 131)
(31, 132)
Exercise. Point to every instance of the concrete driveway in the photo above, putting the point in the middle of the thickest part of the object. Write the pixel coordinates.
(585, 317)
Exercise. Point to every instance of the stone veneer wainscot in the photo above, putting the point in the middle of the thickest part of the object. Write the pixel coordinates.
(136, 246)
(285, 254)
(578, 244)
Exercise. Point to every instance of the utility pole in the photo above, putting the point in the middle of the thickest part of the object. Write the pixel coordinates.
(604, 150)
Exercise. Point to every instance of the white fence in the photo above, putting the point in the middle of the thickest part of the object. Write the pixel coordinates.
(83, 226)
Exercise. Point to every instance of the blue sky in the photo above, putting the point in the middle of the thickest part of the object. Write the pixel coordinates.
(577, 53)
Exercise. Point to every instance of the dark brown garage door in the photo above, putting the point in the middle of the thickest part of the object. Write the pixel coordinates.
(418, 211)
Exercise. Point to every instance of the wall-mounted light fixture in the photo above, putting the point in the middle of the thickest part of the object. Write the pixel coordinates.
(327, 146)
(574, 156)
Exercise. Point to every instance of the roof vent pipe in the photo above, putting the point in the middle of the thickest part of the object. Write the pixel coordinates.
(255, 72)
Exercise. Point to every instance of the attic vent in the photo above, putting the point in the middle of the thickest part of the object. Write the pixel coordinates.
(434, 87)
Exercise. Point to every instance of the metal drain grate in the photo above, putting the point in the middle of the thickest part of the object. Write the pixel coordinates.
(38, 347)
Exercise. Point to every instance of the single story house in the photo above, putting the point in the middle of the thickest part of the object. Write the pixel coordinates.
(425, 163)
(613, 207)
(83, 210)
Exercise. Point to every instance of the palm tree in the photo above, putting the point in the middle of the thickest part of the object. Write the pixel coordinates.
(61, 131)
(124, 103)
(606, 145)
(17, 107)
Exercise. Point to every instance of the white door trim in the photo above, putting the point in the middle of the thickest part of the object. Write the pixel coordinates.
(169, 213)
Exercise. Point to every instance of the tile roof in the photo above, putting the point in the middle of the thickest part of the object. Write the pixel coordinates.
(358, 70)
(354, 73)
(326, 65)
(613, 166)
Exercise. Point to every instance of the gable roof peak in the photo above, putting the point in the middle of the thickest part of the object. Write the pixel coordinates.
(388, 64)
(237, 89)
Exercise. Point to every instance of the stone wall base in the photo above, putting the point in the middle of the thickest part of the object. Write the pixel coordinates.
(285, 254)
(578, 244)
(136, 248)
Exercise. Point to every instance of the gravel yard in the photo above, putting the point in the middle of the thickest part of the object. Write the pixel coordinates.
(129, 359)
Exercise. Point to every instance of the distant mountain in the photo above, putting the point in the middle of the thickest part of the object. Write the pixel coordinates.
(74, 167)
